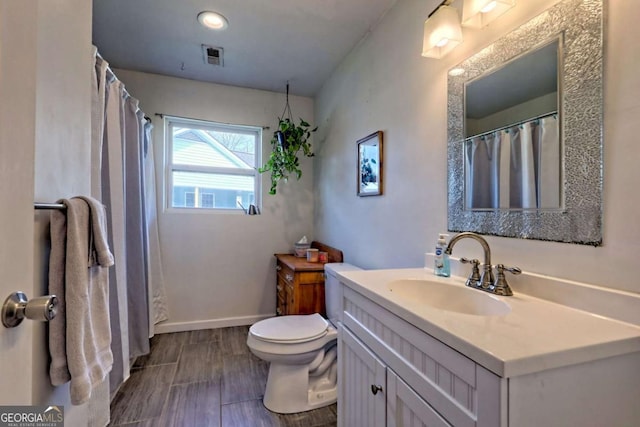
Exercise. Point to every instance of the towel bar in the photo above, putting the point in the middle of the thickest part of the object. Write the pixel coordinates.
(40, 206)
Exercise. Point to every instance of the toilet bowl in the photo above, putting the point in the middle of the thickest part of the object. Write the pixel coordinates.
(302, 353)
(297, 382)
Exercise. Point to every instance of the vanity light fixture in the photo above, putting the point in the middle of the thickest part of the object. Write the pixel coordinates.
(478, 13)
(213, 20)
(442, 31)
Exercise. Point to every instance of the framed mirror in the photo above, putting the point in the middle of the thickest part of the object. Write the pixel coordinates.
(525, 130)
(512, 155)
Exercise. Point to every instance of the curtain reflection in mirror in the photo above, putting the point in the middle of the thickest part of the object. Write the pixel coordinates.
(517, 167)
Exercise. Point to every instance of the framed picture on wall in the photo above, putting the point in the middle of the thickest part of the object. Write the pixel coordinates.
(370, 165)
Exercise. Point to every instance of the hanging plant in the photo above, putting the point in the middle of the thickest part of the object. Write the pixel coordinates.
(289, 141)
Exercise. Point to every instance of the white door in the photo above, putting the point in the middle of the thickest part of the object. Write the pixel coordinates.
(17, 142)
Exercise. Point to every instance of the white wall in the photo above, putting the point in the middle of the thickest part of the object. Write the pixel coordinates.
(385, 84)
(220, 268)
(45, 86)
(539, 106)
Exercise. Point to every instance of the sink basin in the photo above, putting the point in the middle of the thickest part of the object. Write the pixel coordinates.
(449, 297)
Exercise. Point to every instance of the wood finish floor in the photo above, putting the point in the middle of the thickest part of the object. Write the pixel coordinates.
(203, 378)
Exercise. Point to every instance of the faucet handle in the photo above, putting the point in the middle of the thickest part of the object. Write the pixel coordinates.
(512, 270)
(501, 287)
(474, 278)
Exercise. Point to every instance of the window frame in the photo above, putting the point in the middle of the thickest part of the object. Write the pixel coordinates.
(170, 122)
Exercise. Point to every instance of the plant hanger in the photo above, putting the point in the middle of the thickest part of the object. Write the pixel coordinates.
(287, 108)
(288, 141)
(286, 117)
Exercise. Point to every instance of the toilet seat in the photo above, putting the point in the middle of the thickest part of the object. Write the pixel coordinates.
(301, 351)
(292, 329)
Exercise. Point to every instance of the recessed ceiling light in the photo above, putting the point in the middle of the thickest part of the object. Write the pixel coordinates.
(213, 20)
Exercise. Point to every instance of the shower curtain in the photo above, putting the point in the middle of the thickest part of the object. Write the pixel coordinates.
(516, 167)
(122, 177)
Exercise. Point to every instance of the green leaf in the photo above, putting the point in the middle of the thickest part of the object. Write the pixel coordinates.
(283, 160)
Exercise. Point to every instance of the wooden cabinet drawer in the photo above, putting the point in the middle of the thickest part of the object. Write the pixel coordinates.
(292, 307)
(305, 278)
(280, 287)
(300, 286)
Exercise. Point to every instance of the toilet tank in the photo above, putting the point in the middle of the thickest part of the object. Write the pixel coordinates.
(332, 290)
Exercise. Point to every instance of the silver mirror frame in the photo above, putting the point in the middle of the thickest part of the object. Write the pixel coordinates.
(580, 25)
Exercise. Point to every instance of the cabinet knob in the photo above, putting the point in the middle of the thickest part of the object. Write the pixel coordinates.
(375, 388)
(278, 268)
(289, 277)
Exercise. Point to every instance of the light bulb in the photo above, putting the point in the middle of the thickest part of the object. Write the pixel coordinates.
(213, 20)
(442, 42)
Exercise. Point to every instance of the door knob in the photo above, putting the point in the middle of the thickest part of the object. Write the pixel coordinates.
(17, 306)
(375, 388)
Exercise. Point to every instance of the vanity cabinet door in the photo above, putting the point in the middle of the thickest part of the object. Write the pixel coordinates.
(464, 393)
(406, 408)
(361, 384)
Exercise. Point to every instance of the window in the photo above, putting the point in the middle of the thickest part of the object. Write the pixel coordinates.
(208, 200)
(211, 165)
(189, 199)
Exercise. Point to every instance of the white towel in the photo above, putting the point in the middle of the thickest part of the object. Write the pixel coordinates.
(80, 336)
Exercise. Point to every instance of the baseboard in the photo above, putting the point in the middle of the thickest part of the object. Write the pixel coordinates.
(168, 327)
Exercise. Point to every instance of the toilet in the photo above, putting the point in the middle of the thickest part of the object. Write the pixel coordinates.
(302, 351)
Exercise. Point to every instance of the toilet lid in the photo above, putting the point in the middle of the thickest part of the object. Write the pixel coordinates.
(293, 328)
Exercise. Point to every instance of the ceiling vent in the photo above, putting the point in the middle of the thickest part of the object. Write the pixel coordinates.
(213, 55)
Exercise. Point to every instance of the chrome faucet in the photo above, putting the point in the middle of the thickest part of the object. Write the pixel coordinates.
(486, 280)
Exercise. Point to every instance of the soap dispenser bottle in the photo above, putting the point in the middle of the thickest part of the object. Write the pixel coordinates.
(441, 261)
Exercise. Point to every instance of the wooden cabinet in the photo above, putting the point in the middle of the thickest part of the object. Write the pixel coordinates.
(300, 284)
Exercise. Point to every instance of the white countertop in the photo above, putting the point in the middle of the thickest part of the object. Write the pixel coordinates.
(535, 335)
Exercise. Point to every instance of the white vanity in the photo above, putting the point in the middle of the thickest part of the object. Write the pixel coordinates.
(419, 350)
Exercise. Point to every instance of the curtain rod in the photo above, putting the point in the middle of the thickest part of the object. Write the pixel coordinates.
(541, 116)
(42, 206)
(111, 76)
(162, 116)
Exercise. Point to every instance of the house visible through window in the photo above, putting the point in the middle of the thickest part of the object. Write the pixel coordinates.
(189, 199)
(212, 165)
(208, 200)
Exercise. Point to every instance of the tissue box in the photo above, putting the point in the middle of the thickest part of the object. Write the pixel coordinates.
(300, 249)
